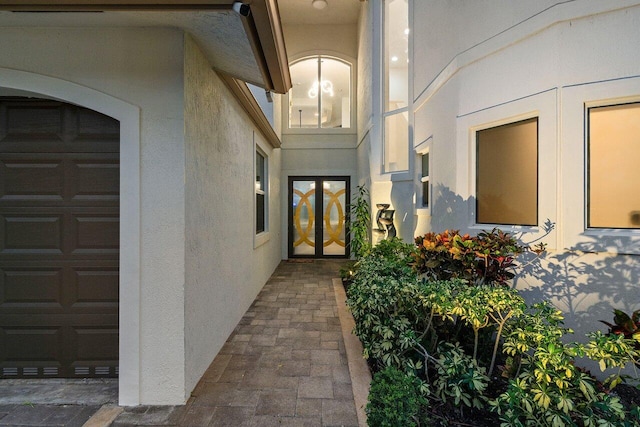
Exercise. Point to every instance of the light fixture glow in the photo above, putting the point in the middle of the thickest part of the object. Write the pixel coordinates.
(406, 31)
(326, 86)
(394, 58)
(319, 4)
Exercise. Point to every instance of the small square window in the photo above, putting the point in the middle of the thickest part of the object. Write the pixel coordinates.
(507, 174)
(613, 173)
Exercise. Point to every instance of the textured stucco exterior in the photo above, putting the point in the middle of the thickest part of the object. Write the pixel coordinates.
(224, 272)
(190, 265)
(365, 94)
(478, 65)
(131, 65)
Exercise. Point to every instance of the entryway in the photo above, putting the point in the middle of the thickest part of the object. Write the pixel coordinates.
(59, 240)
(317, 216)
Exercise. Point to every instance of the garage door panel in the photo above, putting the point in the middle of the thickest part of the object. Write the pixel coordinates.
(96, 234)
(31, 287)
(40, 344)
(37, 290)
(30, 178)
(97, 286)
(95, 179)
(95, 345)
(31, 123)
(59, 240)
(92, 126)
(68, 179)
(32, 233)
(49, 126)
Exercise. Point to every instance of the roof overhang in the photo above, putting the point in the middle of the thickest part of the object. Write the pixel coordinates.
(248, 46)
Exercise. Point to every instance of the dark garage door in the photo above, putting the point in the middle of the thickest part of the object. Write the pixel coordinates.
(59, 240)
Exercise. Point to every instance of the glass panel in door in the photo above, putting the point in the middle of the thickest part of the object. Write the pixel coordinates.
(304, 208)
(333, 208)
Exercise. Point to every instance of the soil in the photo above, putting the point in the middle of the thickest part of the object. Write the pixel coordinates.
(629, 395)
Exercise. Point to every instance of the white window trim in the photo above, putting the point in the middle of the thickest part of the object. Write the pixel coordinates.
(575, 102)
(542, 105)
(353, 130)
(262, 237)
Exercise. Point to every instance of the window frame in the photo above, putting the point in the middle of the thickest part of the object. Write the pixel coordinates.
(425, 179)
(588, 177)
(537, 162)
(260, 237)
(424, 148)
(384, 85)
(577, 99)
(543, 105)
(352, 130)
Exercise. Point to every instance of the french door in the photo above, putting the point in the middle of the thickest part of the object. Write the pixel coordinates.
(317, 217)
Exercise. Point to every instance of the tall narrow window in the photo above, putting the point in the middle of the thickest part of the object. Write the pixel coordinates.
(396, 85)
(613, 173)
(424, 179)
(261, 193)
(321, 94)
(507, 174)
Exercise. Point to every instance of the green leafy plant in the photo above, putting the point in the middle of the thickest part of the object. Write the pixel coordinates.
(394, 399)
(549, 390)
(612, 351)
(459, 379)
(625, 325)
(487, 258)
(452, 335)
(385, 316)
(359, 222)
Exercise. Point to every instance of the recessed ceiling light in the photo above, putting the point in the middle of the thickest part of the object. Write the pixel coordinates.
(394, 58)
(319, 4)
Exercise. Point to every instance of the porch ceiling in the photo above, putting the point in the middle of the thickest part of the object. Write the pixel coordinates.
(250, 48)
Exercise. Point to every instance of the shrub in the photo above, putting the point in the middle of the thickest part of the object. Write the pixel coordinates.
(549, 389)
(483, 259)
(459, 378)
(359, 223)
(388, 258)
(394, 399)
(385, 317)
(445, 336)
(626, 326)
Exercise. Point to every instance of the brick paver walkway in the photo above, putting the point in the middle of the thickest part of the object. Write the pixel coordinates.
(285, 363)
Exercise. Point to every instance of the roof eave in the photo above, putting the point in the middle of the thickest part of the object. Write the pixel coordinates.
(246, 99)
(262, 26)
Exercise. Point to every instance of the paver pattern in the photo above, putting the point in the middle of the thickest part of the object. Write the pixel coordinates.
(30, 415)
(284, 365)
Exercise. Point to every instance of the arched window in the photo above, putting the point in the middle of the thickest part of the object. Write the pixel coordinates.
(321, 94)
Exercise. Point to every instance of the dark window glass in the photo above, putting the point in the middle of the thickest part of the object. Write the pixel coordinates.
(507, 174)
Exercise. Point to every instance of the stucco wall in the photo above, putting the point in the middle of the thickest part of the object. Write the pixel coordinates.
(141, 67)
(302, 38)
(224, 272)
(365, 92)
(500, 62)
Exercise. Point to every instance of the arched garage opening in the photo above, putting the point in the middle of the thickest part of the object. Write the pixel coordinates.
(128, 116)
(59, 251)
